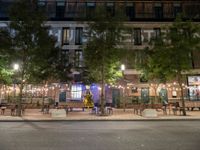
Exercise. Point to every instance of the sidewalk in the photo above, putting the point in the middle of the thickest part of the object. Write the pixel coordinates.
(78, 115)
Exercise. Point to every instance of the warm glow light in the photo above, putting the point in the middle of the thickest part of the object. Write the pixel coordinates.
(122, 67)
(16, 67)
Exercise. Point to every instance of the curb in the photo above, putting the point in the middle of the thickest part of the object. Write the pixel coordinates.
(99, 120)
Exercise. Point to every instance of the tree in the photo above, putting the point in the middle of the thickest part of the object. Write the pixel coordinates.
(5, 71)
(170, 55)
(151, 71)
(32, 47)
(102, 52)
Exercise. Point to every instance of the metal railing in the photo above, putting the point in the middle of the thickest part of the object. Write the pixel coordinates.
(140, 10)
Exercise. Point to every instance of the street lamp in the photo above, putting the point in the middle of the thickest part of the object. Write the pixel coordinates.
(16, 67)
(122, 67)
(124, 98)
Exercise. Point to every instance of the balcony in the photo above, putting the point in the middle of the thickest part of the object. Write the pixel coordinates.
(134, 10)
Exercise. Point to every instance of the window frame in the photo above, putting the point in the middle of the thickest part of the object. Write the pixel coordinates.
(63, 34)
(137, 35)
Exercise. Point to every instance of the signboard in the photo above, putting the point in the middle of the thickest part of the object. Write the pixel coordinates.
(193, 80)
(194, 87)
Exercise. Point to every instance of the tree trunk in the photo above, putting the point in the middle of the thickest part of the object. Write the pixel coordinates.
(19, 102)
(124, 100)
(102, 99)
(31, 94)
(102, 89)
(43, 97)
(1, 95)
(182, 96)
(21, 86)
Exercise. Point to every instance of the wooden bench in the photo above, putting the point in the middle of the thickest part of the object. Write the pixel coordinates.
(137, 109)
(75, 104)
(190, 105)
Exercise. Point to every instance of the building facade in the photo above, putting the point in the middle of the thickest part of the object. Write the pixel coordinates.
(68, 22)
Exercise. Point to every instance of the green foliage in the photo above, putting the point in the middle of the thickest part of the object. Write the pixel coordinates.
(5, 43)
(33, 48)
(102, 53)
(171, 53)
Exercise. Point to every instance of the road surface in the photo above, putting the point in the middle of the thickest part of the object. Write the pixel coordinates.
(100, 135)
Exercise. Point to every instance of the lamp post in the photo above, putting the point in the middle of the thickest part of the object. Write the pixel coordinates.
(15, 68)
(124, 89)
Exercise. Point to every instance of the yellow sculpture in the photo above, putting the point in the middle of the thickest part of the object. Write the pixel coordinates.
(88, 102)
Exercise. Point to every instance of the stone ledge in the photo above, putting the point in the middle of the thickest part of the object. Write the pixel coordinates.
(150, 113)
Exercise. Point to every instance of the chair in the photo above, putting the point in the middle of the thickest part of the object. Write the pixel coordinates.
(109, 109)
(95, 109)
(3, 110)
(177, 108)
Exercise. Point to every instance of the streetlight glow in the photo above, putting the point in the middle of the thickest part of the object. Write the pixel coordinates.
(16, 67)
(122, 67)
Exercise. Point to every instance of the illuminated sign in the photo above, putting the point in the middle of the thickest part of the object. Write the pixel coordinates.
(193, 80)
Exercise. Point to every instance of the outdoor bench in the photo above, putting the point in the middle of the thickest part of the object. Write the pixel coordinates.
(190, 105)
(74, 104)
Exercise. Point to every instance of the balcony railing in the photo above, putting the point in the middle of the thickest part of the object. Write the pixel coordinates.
(134, 10)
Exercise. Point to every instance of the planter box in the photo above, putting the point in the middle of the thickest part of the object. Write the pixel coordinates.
(150, 113)
(57, 113)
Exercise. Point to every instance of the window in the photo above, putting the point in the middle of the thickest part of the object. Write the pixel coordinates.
(130, 11)
(60, 9)
(76, 92)
(90, 10)
(158, 11)
(65, 57)
(137, 36)
(65, 36)
(157, 33)
(110, 8)
(78, 58)
(41, 3)
(78, 35)
(177, 9)
(71, 9)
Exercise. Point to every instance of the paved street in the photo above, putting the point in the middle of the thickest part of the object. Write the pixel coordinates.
(96, 135)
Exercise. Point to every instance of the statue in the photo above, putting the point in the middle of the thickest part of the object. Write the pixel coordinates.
(88, 101)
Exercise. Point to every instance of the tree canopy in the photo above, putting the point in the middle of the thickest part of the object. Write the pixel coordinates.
(171, 54)
(32, 48)
(5, 44)
(102, 52)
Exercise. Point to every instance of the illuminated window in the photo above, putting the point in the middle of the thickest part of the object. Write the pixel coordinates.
(76, 92)
(66, 36)
(78, 58)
